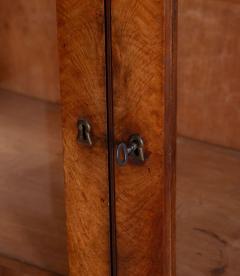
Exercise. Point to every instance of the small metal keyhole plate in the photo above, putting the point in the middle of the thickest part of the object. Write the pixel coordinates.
(137, 153)
(84, 130)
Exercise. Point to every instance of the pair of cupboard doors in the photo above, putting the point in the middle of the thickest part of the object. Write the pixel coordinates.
(118, 67)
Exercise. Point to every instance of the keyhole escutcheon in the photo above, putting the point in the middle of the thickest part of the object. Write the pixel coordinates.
(84, 132)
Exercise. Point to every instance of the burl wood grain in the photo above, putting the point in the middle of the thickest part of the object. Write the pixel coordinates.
(142, 85)
(81, 37)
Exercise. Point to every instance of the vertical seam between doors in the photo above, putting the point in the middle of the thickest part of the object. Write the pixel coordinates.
(170, 102)
(110, 136)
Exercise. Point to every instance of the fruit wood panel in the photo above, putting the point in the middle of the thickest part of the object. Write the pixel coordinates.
(28, 56)
(209, 98)
(81, 37)
(144, 103)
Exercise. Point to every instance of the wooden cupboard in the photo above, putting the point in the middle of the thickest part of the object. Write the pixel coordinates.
(117, 71)
(120, 219)
(118, 74)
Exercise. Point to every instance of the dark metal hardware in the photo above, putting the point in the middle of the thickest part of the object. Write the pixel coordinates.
(133, 149)
(84, 130)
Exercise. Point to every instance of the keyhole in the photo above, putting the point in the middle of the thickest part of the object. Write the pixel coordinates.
(136, 152)
(84, 132)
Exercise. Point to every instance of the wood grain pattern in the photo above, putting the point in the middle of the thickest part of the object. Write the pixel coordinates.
(28, 56)
(81, 37)
(32, 210)
(11, 267)
(209, 47)
(208, 210)
(142, 85)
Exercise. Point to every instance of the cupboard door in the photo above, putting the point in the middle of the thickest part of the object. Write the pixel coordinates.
(120, 218)
(144, 103)
(82, 66)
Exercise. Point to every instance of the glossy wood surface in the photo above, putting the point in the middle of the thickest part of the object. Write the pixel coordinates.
(208, 209)
(32, 209)
(29, 64)
(208, 62)
(82, 59)
(28, 56)
(11, 267)
(144, 103)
